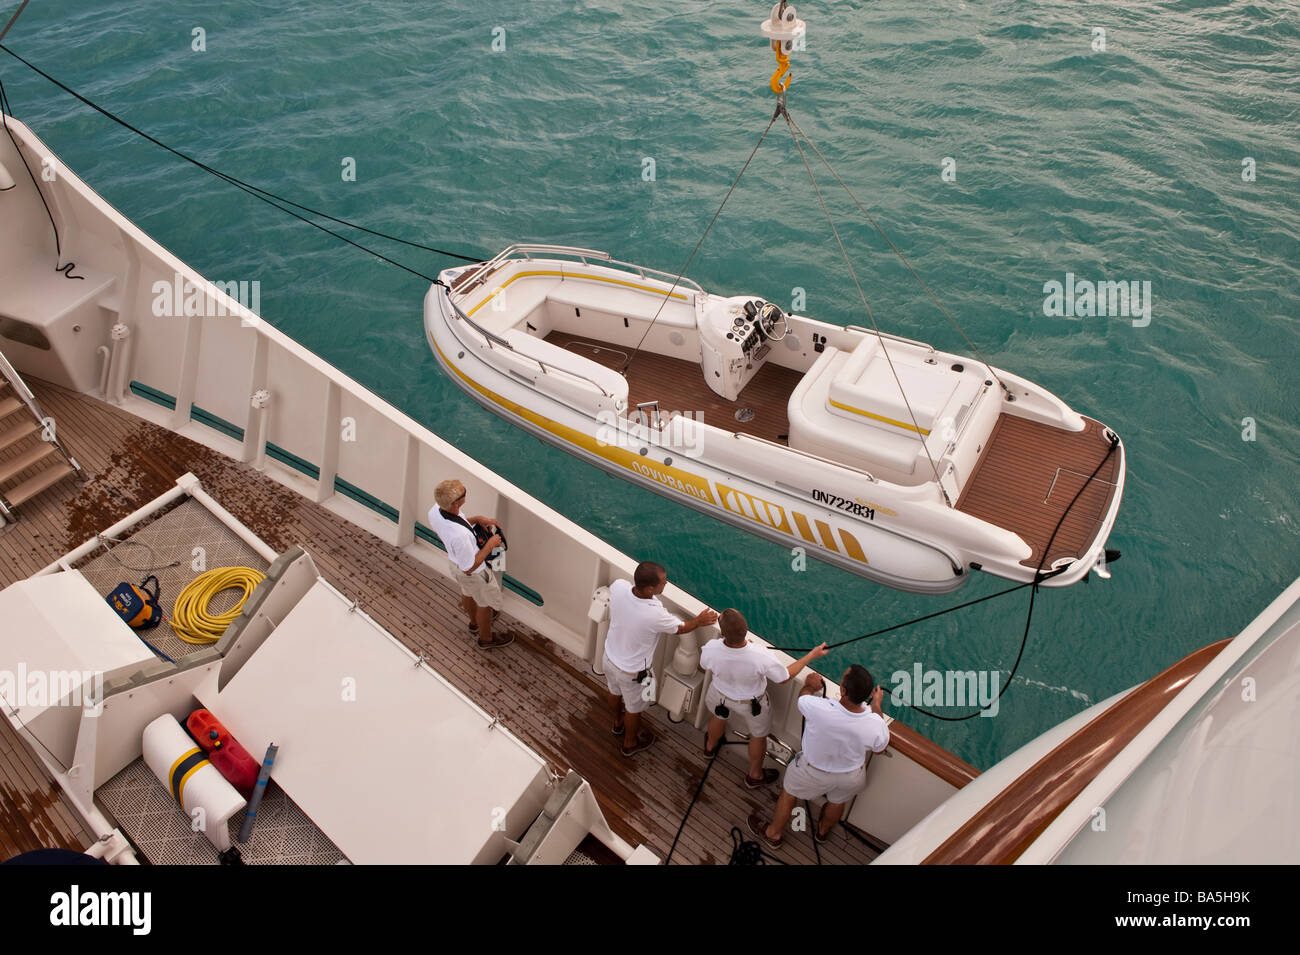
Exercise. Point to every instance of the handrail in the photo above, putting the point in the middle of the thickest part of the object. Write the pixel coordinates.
(970, 416)
(529, 250)
(544, 365)
(808, 454)
(890, 335)
(10, 374)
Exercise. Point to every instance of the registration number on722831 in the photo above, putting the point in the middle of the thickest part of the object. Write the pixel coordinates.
(844, 504)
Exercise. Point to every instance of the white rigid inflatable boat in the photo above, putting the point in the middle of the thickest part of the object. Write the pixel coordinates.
(878, 454)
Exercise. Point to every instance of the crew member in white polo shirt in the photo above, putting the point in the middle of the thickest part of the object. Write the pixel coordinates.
(837, 736)
(479, 587)
(741, 671)
(636, 619)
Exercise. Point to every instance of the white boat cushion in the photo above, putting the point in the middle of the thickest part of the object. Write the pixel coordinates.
(852, 439)
(519, 300)
(865, 388)
(608, 379)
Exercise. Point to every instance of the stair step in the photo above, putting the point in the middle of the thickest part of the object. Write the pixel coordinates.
(19, 431)
(8, 406)
(37, 483)
(22, 462)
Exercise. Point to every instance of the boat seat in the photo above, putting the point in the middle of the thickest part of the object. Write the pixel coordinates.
(854, 441)
(522, 297)
(865, 387)
(623, 302)
(561, 358)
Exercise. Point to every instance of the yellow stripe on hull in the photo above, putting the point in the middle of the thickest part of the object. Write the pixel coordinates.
(756, 509)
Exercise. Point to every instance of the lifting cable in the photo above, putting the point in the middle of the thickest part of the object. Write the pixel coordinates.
(898, 252)
(920, 435)
(690, 258)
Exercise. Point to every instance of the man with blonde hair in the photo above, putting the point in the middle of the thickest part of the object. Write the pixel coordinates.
(479, 587)
(741, 670)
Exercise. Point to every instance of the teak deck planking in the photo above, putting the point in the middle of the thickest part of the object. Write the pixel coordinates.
(543, 694)
(680, 386)
(1016, 484)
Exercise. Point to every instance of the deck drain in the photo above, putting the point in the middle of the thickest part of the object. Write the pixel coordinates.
(744, 414)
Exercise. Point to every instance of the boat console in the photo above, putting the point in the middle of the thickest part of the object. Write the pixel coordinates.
(735, 339)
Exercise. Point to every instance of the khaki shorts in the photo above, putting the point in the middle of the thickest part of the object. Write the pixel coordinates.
(622, 683)
(805, 781)
(742, 716)
(481, 586)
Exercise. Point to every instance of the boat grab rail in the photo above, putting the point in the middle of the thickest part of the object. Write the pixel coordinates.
(529, 250)
(494, 340)
(951, 446)
(892, 337)
(808, 454)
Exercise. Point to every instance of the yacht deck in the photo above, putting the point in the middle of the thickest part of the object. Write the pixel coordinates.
(545, 695)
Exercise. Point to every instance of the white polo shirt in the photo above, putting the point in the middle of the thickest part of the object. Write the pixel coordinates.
(741, 673)
(634, 627)
(835, 740)
(459, 540)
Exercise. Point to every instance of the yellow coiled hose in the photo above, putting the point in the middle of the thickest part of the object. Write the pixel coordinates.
(190, 617)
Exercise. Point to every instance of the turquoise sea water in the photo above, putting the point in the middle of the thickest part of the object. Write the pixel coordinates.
(1122, 164)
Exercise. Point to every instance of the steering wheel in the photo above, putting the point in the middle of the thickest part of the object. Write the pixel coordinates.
(769, 316)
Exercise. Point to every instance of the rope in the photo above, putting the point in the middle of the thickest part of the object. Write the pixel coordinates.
(190, 617)
(691, 257)
(849, 265)
(104, 538)
(747, 852)
(5, 112)
(14, 19)
(265, 195)
(902, 258)
(694, 799)
(1039, 577)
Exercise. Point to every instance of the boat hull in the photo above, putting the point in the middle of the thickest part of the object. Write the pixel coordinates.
(909, 538)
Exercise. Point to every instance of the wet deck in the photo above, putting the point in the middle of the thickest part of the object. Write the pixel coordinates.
(545, 695)
(680, 386)
(1029, 474)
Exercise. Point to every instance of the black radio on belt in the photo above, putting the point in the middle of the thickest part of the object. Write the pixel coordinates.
(722, 713)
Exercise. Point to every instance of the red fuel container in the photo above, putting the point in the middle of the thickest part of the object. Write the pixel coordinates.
(239, 768)
(224, 751)
(201, 725)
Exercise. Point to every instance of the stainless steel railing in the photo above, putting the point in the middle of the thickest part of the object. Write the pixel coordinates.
(529, 251)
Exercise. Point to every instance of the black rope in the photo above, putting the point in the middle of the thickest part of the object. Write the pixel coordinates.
(698, 789)
(271, 198)
(1039, 577)
(748, 852)
(5, 112)
(928, 616)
